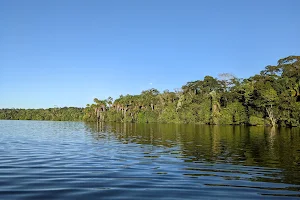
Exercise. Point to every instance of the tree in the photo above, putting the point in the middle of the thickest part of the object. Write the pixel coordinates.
(270, 97)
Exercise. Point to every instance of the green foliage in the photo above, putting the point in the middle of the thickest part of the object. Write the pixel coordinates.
(271, 97)
(147, 117)
(204, 112)
(142, 117)
(53, 114)
(235, 113)
(256, 121)
(187, 115)
(114, 116)
(168, 115)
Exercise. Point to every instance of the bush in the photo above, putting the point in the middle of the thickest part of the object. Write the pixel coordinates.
(235, 113)
(256, 121)
(169, 115)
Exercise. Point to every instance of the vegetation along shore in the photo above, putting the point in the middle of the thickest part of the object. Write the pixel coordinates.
(271, 97)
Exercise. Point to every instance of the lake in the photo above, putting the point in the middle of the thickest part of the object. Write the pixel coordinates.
(75, 160)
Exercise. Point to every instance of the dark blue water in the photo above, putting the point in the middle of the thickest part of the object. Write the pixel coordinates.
(74, 160)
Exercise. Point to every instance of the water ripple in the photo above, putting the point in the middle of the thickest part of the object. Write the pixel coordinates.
(71, 160)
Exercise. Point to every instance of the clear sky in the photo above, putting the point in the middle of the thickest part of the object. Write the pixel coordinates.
(66, 53)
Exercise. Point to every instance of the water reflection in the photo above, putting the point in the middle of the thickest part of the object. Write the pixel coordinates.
(238, 145)
(63, 160)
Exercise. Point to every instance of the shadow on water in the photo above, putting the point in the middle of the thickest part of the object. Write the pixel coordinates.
(237, 145)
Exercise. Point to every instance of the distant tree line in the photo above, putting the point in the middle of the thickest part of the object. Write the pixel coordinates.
(271, 97)
(53, 114)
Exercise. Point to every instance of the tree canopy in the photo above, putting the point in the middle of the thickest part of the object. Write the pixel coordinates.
(271, 97)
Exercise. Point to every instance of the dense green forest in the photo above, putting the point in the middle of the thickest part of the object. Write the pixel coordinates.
(53, 114)
(271, 97)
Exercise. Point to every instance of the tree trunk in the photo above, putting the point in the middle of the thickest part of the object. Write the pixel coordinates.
(152, 106)
(271, 116)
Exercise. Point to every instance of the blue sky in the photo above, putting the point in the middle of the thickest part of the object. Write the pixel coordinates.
(66, 53)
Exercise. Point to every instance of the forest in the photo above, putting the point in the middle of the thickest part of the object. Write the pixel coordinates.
(50, 114)
(270, 98)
